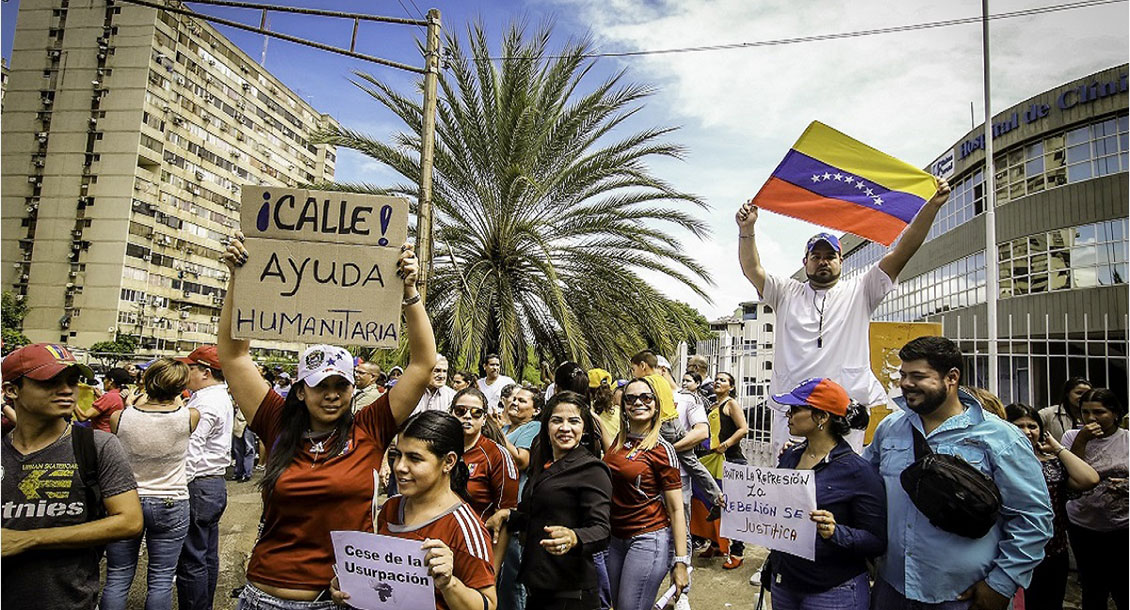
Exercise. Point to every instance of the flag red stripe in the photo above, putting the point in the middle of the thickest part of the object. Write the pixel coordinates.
(791, 200)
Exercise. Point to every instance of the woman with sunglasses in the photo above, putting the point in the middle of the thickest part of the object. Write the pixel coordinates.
(321, 456)
(727, 429)
(851, 515)
(647, 505)
(493, 482)
(564, 513)
(432, 508)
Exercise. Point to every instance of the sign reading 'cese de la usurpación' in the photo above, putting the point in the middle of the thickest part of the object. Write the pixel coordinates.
(322, 267)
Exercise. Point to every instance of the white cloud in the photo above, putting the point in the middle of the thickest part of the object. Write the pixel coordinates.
(906, 93)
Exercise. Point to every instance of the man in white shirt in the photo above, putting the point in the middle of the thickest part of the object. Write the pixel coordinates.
(209, 453)
(437, 396)
(493, 381)
(823, 325)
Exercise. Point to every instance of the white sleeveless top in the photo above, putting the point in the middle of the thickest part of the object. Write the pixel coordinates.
(156, 443)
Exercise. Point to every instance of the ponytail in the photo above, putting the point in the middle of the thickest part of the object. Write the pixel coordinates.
(443, 434)
(460, 475)
(856, 418)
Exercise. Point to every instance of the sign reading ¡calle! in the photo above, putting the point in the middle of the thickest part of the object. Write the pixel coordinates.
(322, 267)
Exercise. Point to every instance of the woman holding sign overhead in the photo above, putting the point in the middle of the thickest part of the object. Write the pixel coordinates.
(322, 457)
(851, 517)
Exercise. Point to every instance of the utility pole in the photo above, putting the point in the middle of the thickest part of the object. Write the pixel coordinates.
(427, 152)
(991, 262)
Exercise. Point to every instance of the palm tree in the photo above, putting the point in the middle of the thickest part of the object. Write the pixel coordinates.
(544, 213)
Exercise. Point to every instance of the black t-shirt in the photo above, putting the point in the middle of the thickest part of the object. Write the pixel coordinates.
(44, 489)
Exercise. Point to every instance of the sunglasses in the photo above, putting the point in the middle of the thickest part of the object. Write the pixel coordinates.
(460, 411)
(645, 398)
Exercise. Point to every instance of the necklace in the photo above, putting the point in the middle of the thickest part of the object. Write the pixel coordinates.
(820, 310)
(318, 441)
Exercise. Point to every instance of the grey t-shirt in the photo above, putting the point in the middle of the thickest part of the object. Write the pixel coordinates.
(44, 489)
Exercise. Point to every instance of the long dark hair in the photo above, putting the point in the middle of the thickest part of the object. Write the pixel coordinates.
(294, 422)
(1018, 410)
(490, 427)
(443, 434)
(542, 450)
(1068, 386)
(602, 398)
(570, 377)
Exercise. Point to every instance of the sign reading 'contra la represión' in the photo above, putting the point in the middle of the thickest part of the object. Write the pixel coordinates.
(321, 267)
(770, 507)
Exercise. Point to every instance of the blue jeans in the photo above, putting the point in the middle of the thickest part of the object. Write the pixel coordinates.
(604, 587)
(166, 524)
(637, 567)
(199, 566)
(511, 593)
(243, 452)
(886, 597)
(254, 599)
(853, 594)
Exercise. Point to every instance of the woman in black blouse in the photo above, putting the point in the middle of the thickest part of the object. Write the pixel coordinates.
(564, 508)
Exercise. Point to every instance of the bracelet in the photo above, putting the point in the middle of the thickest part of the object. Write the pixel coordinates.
(683, 559)
(740, 236)
(1060, 450)
(411, 300)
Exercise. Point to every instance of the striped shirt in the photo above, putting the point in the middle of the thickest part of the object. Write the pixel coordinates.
(494, 478)
(638, 484)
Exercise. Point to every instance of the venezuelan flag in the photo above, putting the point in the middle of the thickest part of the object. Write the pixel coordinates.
(830, 179)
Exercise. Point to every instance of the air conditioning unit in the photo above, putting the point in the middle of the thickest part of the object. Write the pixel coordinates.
(239, 136)
(199, 175)
(40, 162)
(234, 154)
(69, 286)
(166, 108)
(184, 314)
(146, 257)
(34, 179)
(214, 319)
(47, 101)
(54, 53)
(41, 136)
(195, 190)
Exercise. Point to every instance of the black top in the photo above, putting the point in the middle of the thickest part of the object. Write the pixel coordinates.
(726, 429)
(574, 492)
(850, 488)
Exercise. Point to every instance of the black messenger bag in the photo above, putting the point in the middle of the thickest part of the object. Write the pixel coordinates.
(955, 496)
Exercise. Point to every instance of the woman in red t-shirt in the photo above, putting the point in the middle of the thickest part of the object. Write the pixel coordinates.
(432, 478)
(647, 505)
(321, 457)
(494, 475)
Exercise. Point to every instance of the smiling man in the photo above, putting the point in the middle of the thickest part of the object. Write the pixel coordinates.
(67, 491)
(823, 324)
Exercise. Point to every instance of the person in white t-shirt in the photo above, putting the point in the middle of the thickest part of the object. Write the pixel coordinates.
(493, 381)
(823, 324)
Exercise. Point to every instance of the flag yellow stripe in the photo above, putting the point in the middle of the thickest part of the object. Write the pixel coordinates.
(834, 148)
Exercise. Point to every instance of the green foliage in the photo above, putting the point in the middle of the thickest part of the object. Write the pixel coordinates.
(544, 210)
(110, 353)
(14, 312)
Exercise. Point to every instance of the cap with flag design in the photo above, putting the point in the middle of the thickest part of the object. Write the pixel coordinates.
(827, 238)
(321, 361)
(818, 393)
(41, 361)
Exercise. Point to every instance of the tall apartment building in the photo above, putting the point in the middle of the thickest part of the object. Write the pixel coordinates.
(128, 132)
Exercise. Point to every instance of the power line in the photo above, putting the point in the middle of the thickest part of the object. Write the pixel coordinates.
(840, 35)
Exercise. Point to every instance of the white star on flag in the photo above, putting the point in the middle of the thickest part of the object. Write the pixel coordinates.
(860, 185)
(848, 179)
(839, 177)
(815, 178)
(878, 201)
(870, 193)
(827, 175)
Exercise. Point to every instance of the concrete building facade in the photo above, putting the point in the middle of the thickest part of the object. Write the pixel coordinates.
(128, 132)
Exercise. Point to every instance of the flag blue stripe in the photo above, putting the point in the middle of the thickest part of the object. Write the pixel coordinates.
(829, 181)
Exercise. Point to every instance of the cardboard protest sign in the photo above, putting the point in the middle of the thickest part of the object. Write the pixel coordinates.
(322, 267)
(382, 572)
(770, 507)
(886, 339)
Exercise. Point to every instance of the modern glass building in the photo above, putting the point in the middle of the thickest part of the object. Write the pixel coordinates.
(1061, 243)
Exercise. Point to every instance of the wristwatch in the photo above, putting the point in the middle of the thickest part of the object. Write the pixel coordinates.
(683, 559)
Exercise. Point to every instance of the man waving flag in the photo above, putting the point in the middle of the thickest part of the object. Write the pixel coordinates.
(829, 179)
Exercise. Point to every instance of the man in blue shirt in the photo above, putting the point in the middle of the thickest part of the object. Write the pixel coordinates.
(925, 567)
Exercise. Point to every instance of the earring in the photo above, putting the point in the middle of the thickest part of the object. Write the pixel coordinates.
(820, 427)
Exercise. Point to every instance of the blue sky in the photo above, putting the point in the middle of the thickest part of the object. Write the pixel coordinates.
(739, 110)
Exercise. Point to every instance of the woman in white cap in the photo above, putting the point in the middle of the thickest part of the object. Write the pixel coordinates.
(321, 457)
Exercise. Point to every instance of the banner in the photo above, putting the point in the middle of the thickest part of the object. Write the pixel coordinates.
(322, 267)
(770, 507)
(382, 572)
(887, 338)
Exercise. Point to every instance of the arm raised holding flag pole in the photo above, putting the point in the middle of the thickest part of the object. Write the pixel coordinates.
(915, 233)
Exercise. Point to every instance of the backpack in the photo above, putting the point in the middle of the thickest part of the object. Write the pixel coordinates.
(86, 457)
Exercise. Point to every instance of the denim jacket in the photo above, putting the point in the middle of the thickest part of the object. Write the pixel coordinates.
(929, 565)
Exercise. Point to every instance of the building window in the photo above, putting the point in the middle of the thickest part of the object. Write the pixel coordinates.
(955, 285)
(967, 199)
(1085, 256)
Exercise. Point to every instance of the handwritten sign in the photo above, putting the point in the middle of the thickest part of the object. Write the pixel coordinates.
(322, 267)
(770, 507)
(382, 572)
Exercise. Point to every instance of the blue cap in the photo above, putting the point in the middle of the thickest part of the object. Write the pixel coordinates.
(828, 238)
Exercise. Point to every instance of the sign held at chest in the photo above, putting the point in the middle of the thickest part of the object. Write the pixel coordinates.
(321, 267)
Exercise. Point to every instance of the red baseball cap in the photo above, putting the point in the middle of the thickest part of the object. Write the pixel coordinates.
(204, 355)
(817, 393)
(41, 361)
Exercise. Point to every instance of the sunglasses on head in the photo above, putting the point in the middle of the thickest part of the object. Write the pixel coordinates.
(460, 411)
(645, 398)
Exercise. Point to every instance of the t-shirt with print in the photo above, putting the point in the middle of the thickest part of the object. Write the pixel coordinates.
(638, 482)
(107, 404)
(317, 494)
(44, 489)
(1106, 506)
(459, 529)
(494, 478)
(825, 333)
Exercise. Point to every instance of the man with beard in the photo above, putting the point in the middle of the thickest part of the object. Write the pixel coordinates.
(823, 324)
(931, 569)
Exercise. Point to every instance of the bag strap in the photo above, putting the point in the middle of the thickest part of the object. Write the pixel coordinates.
(921, 447)
(86, 457)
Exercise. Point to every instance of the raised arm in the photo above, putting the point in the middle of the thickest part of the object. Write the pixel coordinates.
(405, 395)
(915, 233)
(747, 247)
(246, 386)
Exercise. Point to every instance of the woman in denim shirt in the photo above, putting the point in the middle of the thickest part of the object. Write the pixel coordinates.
(851, 519)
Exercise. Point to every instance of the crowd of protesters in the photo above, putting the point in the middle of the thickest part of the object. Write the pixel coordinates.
(582, 495)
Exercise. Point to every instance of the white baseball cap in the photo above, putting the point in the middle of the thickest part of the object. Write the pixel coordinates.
(321, 361)
(661, 362)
